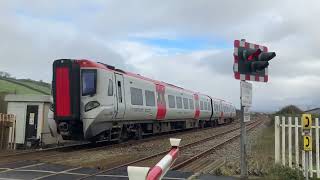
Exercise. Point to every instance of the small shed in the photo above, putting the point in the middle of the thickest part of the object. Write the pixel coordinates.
(31, 113)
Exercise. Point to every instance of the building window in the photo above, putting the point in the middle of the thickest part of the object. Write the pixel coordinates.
(110, 88)
(179, 102)
(172, 101)
(136, 96)
(185, 103)
(150, 98)
(191, 103)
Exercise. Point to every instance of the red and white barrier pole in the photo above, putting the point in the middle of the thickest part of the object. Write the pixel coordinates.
(160, 169)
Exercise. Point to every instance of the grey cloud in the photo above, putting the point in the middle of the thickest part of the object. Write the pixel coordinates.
(79, 29)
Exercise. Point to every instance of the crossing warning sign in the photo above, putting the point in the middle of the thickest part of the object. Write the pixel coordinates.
(307, 143)
(306, 121)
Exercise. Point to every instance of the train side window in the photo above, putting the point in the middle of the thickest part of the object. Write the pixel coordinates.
(110, 88)
(185, 103)
(179, 102)
(201, 105)
(150, 98)
(172, 101)
(191, 103)
(119, 92)
(205, 106)
(136, 96)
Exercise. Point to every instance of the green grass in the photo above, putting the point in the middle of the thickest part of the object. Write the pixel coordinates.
(37, 86)
(9, 87)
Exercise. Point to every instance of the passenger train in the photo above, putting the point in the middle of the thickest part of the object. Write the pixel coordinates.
(95, 101)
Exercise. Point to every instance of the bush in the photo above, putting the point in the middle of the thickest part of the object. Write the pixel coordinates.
(284, 173)
(290, 110)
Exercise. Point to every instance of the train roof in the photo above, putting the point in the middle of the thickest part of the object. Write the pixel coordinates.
(89, 63)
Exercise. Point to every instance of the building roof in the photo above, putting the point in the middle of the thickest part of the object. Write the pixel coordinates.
(27, 98)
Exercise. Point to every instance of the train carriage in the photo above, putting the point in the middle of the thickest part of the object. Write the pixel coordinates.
(96, 101)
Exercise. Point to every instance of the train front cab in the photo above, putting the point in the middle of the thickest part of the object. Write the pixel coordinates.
(66, 98)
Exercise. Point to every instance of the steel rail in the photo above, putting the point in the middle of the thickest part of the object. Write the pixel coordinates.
(165, 152)
(196, 157)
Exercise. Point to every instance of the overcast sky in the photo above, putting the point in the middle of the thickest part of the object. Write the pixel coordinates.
(187, 43)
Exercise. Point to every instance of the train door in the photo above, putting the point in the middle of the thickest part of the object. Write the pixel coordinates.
(31, 122)
(121, 105)
(161, 103)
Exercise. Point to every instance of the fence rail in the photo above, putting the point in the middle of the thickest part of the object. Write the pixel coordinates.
(7, 131)
(285, 130)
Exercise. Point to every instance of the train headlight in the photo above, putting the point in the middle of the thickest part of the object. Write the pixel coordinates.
(91, 105)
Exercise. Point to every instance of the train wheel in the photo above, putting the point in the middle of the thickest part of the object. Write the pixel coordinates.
(138, 134)
(123, 135)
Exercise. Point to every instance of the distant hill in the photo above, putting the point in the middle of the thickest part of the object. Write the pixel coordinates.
(23, 86)
(290, 109)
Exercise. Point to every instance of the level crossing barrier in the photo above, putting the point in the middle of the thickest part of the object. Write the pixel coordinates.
(160, 169)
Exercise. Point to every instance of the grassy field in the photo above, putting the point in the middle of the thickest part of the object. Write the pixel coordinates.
(37, 86)
(9, 87)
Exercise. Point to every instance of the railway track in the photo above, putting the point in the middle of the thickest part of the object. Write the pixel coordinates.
(152, 159)
(87, 146)
(194, 162)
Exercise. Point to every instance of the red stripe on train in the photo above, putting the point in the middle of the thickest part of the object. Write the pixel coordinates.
(161, 103)
(63, 92)
(197, 110)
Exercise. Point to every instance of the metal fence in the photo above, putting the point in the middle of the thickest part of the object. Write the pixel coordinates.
(289, 141)
(7, 131)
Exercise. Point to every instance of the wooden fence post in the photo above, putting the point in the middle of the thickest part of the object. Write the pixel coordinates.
(296, 140)
(283, 141)
(277, 139)
(290, 142)
(317, 147)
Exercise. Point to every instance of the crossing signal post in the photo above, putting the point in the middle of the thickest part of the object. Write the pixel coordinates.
(251, 62)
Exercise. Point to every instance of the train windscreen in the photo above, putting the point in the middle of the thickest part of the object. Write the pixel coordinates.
(89, 81)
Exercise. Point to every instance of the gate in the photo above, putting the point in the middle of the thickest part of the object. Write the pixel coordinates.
(7, 131)
(289, 141)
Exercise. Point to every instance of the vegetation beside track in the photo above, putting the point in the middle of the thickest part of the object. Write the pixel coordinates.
(261, 153)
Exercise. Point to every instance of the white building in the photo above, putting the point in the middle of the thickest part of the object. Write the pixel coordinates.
(31, 118)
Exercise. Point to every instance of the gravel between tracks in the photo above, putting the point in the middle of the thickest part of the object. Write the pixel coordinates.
(230, 154)
(109, 157)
